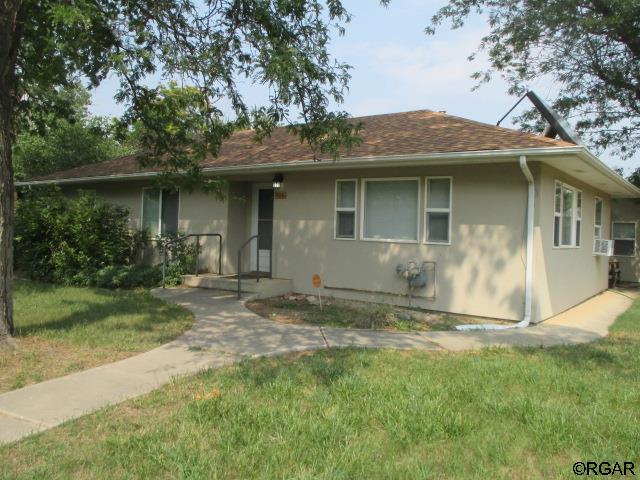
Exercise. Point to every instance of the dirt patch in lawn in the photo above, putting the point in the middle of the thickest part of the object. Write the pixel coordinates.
(302, 309)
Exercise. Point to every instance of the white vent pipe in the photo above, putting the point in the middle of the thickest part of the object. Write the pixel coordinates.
(528, 279)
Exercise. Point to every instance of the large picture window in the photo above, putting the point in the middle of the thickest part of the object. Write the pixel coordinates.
(160, 211)
(567, 216)
(345, 218)
(438, 210)
(624, 239)
(391, 209)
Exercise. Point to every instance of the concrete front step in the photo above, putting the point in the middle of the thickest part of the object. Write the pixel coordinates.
(266, 287)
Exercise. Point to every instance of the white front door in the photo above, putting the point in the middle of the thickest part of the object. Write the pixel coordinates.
(262, 225)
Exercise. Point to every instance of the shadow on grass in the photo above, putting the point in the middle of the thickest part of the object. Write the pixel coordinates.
(326, 367)
(577, 355)
(109, 304)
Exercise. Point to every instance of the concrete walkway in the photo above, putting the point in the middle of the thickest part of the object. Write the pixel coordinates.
(225, 332)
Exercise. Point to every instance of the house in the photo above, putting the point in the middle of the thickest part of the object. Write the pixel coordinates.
(506, 220)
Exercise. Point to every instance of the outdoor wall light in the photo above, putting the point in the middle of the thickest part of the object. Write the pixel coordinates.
(277, 180)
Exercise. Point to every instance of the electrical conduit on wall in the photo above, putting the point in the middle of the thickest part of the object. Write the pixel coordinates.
(528, 282)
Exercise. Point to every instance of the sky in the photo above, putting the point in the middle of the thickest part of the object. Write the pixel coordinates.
(397, 67)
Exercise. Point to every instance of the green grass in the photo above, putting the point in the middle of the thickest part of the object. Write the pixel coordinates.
(499, 413)
(352, 314)
(64, 329)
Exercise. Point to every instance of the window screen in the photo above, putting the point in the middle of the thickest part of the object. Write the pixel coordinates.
(438, 210)
(345, 217)
(624, 236)
(160, 211)
(170, 199)
(151, 211)
(391, 209)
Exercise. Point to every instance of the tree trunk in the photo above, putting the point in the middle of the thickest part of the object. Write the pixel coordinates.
(6, 227)
(10, 33)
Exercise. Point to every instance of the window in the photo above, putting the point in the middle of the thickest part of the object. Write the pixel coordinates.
(597, 223)
(391, 209)
(160, 211)
(567, 216)
(438, 210)
(345, 221)
(624, 236)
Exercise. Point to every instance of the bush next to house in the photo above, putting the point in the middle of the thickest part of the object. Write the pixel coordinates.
(85, 241)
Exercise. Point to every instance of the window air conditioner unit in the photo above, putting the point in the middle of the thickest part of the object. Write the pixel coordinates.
(603, 247)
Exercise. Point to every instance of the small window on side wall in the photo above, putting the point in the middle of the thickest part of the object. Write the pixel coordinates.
(160, 211)
(438, 210)
(597, 223)
(345, 218)
(567, 216)
(624, 239)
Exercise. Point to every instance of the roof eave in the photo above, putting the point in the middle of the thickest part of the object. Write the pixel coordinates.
(452, 158)
(587, 156)
(480, 156)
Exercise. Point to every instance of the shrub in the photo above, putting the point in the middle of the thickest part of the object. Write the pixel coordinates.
(376, 316)
(126, 276)
(85, 241)
(59, 238)
(181, 259)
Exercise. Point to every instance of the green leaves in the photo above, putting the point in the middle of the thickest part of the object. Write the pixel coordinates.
(204, 50)
(590, 49)
(57, 238)
(47, 143)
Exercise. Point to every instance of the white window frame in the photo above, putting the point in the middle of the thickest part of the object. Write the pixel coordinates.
(160, 193)
(635, 238)
(597, 227)
(576, 216)
(345, 209)
(363, 196)
(428, 209)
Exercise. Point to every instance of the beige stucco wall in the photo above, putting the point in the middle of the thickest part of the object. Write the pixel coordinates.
(198, 213)
(480, 273)
(564, 277)
(628, 210)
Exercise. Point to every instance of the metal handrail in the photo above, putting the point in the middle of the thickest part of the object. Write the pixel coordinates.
(197, 237)
(239, 269)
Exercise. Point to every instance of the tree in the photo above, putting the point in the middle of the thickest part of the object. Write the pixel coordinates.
(207, 45)
(49, 143)
(65, 145)
(589, 48)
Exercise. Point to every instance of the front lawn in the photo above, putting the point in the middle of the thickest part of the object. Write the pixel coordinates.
(302, 309)
(64, 329)
(499, 413)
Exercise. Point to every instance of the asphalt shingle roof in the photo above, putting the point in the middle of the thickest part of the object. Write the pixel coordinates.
(418, 132)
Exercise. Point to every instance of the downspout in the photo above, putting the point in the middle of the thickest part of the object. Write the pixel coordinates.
(528, 276)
